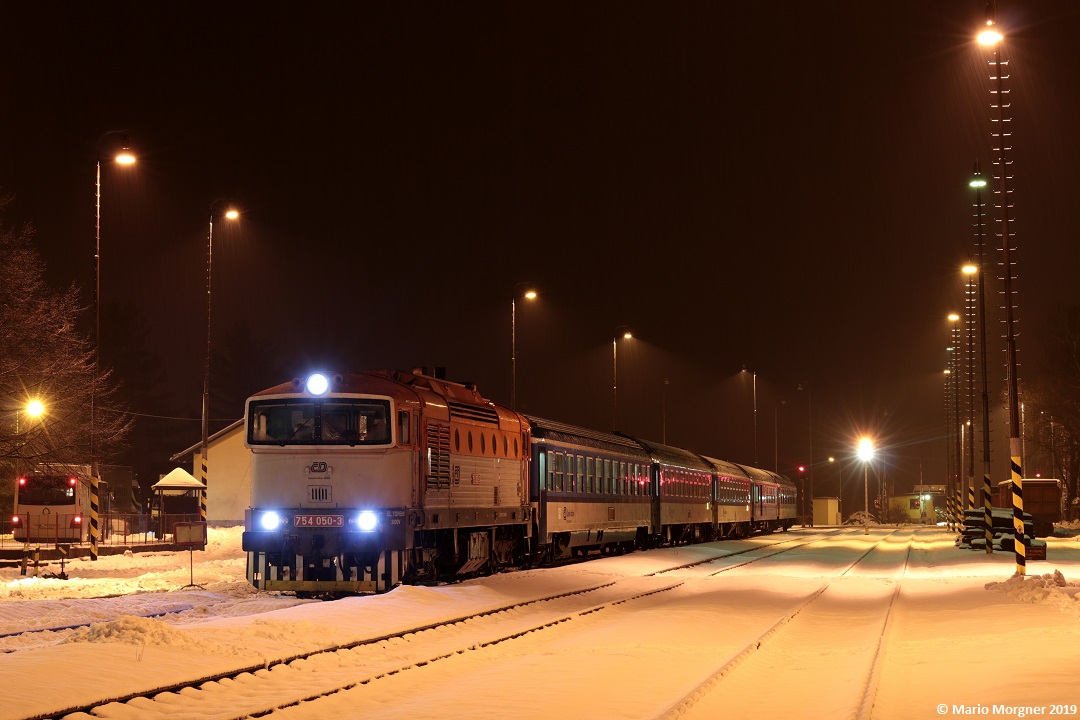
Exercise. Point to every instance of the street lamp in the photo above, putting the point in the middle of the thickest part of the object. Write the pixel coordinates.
(229, 214)
(34, 408)
(626, 335)
(955, 425)
(865, 452)
(977, 183)
(754, 378)
(990, 37)
(528, 295)
(124, 157)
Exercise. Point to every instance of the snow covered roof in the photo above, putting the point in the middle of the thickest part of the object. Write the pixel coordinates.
(178, 479)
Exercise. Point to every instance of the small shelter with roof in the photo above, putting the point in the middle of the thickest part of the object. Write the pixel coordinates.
(176, 499)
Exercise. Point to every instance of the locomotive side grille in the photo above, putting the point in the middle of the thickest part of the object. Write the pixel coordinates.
(480, 413)
(438, 442)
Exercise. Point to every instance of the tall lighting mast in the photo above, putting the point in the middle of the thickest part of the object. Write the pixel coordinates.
(992, 37)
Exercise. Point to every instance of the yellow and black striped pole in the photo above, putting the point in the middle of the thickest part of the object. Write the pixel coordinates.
(1020, 537)
(202, 479)
(95, 513)
(988, 515)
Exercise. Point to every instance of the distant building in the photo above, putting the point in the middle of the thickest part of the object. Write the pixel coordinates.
(228, 467)
(920, 507)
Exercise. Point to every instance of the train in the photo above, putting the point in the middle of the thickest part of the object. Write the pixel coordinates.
(364, 480)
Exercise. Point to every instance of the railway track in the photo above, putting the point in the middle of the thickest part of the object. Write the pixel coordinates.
(797, 636)
(293, 682)
(532, 616)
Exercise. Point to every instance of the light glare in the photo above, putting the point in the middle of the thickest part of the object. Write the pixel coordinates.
(990, 37)
(270, 520)
(317, 384)
(866, 449)
(367, 521)
(35, 408)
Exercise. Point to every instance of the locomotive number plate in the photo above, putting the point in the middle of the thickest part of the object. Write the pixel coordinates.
(318, 521)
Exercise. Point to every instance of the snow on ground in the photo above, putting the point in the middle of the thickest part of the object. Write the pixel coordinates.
(965, 636)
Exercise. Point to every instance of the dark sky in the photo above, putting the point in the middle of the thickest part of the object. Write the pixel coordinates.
(781, 186)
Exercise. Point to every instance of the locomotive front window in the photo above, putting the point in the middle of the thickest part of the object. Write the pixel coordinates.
(319, 422)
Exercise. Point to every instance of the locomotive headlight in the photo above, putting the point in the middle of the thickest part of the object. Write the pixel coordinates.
(317, 384)
(270, 520)
(367, 521)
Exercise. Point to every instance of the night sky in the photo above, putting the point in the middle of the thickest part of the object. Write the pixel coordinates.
(778, 186)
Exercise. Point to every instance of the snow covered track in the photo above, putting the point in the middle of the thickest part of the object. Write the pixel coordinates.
(795, 638)
(256, 691)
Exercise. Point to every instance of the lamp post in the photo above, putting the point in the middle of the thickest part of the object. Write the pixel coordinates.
(866, 454)
(229, 214)
(528, 295)
(990, 37)
(955, 426)
(977, 183)
(626, 335)
(124, 157)
(754, 381)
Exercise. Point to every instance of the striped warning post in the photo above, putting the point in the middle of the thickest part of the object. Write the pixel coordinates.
(988, 517)
(1020, 540)
(95, 514)
(202, 493)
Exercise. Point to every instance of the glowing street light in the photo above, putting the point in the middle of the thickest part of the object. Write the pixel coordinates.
(230, 214)
(529, 294)
(35, 408)
(865, 451)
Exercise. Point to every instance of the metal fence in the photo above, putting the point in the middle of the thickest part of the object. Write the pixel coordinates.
(72, 529)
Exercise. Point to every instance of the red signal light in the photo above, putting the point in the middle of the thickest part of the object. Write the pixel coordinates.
(73, 481)
(15, 520)
(22, 482)
(802, 468)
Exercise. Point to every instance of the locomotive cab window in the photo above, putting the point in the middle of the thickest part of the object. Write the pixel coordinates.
(320, 422)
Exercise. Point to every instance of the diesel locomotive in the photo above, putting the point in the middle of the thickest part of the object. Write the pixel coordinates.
(363, 480)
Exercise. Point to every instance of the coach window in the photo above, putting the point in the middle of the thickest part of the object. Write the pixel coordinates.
(590, 474)
(579, 476)
(559, 472)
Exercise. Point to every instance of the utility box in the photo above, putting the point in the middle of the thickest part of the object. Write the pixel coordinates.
(827, 511)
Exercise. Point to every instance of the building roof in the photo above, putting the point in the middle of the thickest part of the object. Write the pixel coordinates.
(219, 434)
(178, 479)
